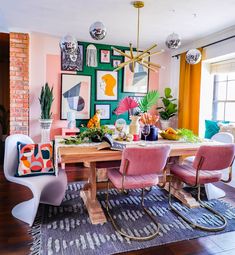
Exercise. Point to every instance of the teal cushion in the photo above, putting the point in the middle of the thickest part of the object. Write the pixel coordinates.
(212, 127)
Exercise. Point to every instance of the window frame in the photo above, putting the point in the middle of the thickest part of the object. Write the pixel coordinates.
(216, 101)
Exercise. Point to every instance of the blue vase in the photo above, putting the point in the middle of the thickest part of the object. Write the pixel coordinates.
(153, 136)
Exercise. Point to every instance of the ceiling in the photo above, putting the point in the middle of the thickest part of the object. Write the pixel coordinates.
(191, 19)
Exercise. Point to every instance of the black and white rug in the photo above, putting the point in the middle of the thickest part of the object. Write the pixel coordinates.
(67, 229)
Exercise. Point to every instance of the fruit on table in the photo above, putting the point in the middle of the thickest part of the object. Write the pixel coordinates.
(170, 134)
(171, 131)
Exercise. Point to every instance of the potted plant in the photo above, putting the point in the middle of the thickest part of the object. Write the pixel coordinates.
(46, 99)
(169, 108)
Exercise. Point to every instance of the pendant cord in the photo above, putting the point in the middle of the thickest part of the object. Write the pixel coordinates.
(138, 31)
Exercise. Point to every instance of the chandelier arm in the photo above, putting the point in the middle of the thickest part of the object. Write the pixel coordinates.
(152, 64)
(138, 31)
(153, 53)
(149, 67)
(146, 51)
(132, 56)
(125, 63)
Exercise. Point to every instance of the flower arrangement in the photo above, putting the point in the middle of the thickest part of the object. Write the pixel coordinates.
(144, 104)
(148, 119)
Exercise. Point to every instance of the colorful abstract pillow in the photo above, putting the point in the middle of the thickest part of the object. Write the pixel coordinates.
(35, 159)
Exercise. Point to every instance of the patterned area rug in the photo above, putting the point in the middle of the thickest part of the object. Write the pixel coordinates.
(67, 230)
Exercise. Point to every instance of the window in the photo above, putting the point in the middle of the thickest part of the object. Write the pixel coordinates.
(224, 97)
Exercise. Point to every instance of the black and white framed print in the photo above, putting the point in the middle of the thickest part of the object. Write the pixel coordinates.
(72, 59)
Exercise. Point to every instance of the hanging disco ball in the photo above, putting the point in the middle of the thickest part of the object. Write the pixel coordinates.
(68, 43)
(97, 30)
(193, 56)
(173, 41)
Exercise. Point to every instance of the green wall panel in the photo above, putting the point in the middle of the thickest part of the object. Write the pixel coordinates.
(92, 72)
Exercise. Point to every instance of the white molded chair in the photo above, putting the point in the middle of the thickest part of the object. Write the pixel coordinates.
(47, 189)
(212, 192)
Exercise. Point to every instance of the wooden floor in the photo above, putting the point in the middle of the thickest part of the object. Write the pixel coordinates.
(14, 237)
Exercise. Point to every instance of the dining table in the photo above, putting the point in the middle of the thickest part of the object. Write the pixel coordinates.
(89, 154)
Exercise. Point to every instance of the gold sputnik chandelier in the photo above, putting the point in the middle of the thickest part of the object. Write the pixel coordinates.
(141, 57)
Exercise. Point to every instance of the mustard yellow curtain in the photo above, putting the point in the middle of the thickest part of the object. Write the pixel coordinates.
(189, 95)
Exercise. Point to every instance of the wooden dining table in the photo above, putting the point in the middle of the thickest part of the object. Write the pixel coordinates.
(93, 157)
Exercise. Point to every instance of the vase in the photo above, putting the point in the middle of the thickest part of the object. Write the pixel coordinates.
(153, 135)
(165, 124)
(45, 125)
(134, 127)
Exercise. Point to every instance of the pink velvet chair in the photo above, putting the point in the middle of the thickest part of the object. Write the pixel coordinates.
(140, 168)
(206, 168)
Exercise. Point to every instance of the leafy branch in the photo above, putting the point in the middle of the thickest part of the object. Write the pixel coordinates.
(148, 100)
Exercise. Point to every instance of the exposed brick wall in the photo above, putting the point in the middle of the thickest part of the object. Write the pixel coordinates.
(19, 83)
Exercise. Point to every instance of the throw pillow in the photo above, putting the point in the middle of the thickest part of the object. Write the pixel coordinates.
(35, 159)
(212, 127)
(230, 128)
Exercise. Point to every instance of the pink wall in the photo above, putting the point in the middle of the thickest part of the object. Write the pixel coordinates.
(45, 67)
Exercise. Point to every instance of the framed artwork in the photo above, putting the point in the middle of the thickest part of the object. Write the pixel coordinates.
(116, 62)
(106, 85)
(75, 95)
(104, 56)
(105, 111)
(135, 82)
(72, 60)
(115, 53)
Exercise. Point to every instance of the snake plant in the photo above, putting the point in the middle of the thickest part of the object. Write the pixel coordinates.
(46, 99)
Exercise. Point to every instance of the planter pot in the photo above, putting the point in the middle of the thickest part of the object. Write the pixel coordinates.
(153, 136)
(165, 124)
(134, 127)
(45, 125)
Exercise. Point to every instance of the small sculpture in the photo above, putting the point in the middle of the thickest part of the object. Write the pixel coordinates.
(94, 122)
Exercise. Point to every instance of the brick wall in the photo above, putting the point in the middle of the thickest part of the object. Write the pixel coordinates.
(19, 83)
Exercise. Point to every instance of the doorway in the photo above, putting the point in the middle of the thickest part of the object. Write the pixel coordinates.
(4, 91)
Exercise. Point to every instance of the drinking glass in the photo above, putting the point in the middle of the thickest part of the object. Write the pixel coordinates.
(145, 131)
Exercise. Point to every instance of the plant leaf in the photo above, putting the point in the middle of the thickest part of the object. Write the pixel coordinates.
(149, 100)
(168, 93)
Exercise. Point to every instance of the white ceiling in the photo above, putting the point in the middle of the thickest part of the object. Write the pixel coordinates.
(159, 18)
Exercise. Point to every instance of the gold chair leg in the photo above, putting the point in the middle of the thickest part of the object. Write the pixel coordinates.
(118, 229)
(202, 204)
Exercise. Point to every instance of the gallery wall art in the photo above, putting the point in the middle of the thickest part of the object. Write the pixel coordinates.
(106, 85)
(72, 59)
(137, 81)
(75, 95)
(105, 110)
(104, 56)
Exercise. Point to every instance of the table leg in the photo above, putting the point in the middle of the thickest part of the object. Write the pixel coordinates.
(182, 195)
(88, 194)
(178, 191)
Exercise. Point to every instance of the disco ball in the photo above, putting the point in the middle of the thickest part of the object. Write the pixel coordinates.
(97, 30)
(69, 44)
(193, 56)
(173, 41)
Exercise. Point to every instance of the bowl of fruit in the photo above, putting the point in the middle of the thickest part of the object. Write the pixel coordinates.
(170, 134)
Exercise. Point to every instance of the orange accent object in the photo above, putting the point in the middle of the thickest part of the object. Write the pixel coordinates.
(189, 94)
(148, 119)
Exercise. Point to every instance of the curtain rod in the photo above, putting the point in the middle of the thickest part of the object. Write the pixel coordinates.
(204, 46)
